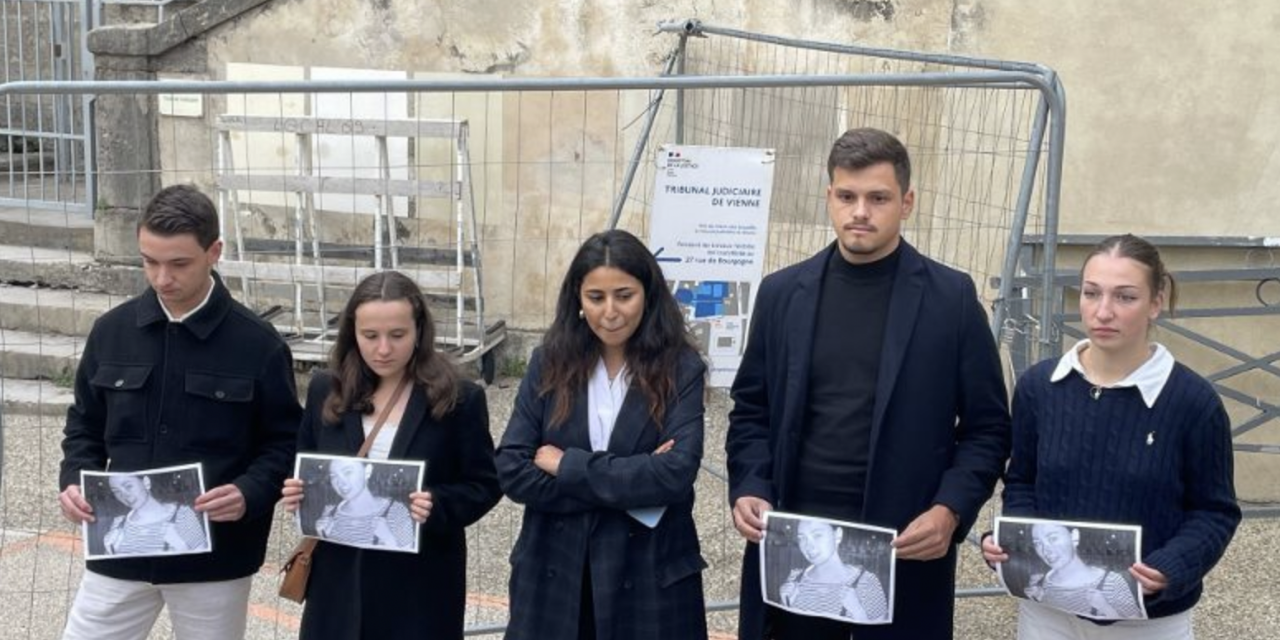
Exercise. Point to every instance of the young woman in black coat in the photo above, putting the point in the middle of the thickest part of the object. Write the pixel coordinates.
(386, 333)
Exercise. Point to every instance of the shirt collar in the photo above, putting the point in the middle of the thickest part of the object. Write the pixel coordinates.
(211, 311)
(213, 284)
(1149, 378)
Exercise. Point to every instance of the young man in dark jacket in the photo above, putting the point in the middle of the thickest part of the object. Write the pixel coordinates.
(181, 374)
(870, 391)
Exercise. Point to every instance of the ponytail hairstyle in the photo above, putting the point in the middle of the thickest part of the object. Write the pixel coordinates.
(1143, 252)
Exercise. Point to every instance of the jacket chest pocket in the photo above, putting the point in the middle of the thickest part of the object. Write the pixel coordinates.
(124, 392)
(219, 411)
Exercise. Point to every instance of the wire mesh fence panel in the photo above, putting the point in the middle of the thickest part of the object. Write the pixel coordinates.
(969, 146)
(482, 194)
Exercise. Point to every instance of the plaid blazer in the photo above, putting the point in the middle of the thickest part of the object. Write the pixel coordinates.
(645, 583)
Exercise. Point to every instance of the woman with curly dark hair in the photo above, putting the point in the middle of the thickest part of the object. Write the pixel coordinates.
(602, 449)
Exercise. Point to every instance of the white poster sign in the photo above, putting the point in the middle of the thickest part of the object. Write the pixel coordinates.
(709, 231)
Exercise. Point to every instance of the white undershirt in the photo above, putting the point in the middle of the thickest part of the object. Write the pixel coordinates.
(208, 294)
(382, 444)
(604, 402)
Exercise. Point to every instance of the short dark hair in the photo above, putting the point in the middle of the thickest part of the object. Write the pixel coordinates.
(180, 209)
(1143, 252)
(861, 148)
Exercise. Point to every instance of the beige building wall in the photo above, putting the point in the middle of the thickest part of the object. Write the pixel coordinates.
(1173, 122)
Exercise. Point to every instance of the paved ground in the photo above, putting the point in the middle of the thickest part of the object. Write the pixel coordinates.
(40, 561)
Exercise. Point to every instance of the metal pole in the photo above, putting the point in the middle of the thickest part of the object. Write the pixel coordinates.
(1021, 209)
(680, 68)
(697, 28)
(89, 18)
(633, 165)
(999, 79)
(1050, 337)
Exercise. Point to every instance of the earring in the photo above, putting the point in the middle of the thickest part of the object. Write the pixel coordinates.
(582, 315)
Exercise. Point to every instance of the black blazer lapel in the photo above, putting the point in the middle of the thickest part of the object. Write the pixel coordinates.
(632, 422)
(415, 414)
(802, 312)
(904, 307)
(576, 431)
(353, 431)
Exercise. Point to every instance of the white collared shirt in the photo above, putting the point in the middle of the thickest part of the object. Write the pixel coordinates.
(604, 402)
(1149, 378)
(208, 294)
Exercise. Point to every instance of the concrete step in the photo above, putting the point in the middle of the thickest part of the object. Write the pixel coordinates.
(36, 397)
(28, 355)
(67, 269)
(66, 230)
(60, 311)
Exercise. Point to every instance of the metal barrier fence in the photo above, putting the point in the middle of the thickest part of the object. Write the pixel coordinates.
(547, 160)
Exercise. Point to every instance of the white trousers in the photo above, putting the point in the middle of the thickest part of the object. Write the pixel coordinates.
(1038, 622)
(110, 609)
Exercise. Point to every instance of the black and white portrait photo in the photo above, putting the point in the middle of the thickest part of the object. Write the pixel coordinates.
(144, 513)
(1078, 567)
(828, 568)
(359, 502)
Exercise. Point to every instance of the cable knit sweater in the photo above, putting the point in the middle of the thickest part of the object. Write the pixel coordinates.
(1112, 459)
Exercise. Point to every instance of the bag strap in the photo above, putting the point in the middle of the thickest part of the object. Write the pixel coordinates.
(382, 418)
(302, 552)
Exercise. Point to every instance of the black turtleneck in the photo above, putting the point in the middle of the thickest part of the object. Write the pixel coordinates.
(848, 336)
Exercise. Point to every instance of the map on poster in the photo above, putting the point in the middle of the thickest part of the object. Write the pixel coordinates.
(709, 230)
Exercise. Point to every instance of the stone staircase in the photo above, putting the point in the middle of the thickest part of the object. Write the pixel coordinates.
(51, 291)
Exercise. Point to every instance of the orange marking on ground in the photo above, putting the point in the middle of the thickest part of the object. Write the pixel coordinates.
(487, 600)
(56, 539)
(275, 616)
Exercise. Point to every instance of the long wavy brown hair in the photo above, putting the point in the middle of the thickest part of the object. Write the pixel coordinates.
(570, 350)
(354, 382)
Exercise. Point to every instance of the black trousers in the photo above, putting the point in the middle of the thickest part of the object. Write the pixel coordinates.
(783, 625)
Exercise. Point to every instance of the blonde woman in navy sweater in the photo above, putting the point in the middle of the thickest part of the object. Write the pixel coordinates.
(1116, 431)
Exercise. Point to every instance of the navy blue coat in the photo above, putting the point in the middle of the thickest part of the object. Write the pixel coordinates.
(364, 593)
(940, 431)
(646, 583)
